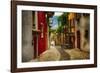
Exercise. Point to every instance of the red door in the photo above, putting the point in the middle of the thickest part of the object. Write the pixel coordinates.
(42, 38)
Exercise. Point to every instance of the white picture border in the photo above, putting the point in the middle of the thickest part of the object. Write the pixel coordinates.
(53, 63)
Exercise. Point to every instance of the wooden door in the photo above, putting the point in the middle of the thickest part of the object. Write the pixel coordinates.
(42, 37)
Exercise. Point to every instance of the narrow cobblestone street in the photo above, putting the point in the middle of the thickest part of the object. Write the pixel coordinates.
(73, 54)
(56, 53)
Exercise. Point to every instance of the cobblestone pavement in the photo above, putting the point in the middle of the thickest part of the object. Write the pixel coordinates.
(57, 53)
(73, 54)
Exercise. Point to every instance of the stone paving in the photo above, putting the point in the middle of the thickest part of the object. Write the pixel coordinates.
(56, 53)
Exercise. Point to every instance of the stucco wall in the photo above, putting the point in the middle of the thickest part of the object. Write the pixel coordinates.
(84, 25)
(27, 48)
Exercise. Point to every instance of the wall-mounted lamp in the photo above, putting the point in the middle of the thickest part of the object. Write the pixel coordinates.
(42, 31)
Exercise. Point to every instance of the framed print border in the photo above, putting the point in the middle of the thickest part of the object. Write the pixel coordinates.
(14, 35)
